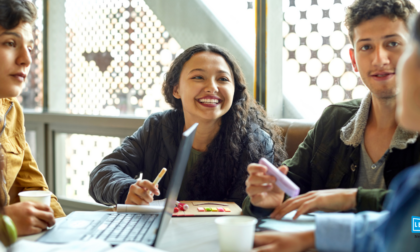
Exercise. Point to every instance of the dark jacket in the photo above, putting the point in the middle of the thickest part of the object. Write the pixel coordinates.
(152, 147)
(323, 161)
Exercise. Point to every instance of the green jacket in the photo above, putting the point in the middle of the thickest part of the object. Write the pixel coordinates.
(324, 161)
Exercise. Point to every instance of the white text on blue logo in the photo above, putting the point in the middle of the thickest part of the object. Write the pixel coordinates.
(415, 224)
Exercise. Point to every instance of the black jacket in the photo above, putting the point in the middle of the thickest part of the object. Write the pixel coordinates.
(323, 161)
(152, 147)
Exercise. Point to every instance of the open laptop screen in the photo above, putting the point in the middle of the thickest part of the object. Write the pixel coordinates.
(176, 180)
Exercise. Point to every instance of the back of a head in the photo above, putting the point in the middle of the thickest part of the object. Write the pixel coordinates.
(363, 10)
(12, 12)
(408, 106)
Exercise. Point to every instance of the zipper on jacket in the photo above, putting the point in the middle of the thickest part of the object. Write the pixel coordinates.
(353, 169)
(5, 203)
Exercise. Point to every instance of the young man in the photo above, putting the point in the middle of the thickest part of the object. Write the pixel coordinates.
(356, 144)
(20, 171)
(389, 230)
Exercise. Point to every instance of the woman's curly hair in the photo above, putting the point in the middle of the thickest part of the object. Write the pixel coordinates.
(363, 10)
(224, 164)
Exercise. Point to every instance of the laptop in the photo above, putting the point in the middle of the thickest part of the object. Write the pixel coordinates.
(117, 228)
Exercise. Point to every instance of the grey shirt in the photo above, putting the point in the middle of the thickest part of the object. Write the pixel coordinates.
(371, 175)
(194, 157)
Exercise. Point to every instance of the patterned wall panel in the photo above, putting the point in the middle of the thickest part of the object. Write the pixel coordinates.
(317, 64)
(32, 93)
(83, 154)
(117, 55)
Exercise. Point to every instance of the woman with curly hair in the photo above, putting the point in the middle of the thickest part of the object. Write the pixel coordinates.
(204, 85)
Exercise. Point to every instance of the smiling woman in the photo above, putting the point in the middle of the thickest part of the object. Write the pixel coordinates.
(204, 85)
(205, 89)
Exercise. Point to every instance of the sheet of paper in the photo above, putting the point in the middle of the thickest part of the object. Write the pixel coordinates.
(287, 224)
(135, 247)
(161, 202)
(155, 207)
(83, 246)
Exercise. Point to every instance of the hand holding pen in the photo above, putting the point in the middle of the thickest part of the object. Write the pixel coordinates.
(142, 192)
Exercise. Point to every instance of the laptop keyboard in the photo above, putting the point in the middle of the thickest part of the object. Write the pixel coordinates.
(123, 227)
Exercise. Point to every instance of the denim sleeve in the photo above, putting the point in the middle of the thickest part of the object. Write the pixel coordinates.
(333, 232)
(366, 233)
(347, 232)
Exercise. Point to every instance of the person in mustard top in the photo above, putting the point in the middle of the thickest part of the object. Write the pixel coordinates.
(20, 172)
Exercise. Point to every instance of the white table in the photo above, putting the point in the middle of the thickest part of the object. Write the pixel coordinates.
(191, 234)
(183, 234)
(186, 234)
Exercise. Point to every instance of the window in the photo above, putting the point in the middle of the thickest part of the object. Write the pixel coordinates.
(317, 69)
(117, 55)
(31, 97)
(81, 154)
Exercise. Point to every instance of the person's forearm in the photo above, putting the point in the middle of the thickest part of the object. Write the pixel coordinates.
(351, 195)
(308, 240)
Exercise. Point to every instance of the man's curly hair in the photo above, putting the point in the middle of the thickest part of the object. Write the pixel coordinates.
(221, 167)
(363, 10)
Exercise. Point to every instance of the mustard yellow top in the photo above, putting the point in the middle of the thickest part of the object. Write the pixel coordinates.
(22, 173)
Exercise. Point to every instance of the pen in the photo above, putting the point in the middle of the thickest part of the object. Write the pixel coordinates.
(159, 177)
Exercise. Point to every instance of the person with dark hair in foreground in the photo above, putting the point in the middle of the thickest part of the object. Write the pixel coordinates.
(204, 85)
(19, 171)
(395, 228)
(357, 147)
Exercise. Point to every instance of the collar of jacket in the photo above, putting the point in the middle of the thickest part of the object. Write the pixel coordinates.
(352, 133)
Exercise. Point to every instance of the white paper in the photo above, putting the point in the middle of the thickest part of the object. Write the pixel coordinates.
(135, 247)
(154, 207)
(161, 202)
(81, 246)
(287, 224)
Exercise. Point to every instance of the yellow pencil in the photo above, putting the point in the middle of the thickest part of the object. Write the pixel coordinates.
(159, 176)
